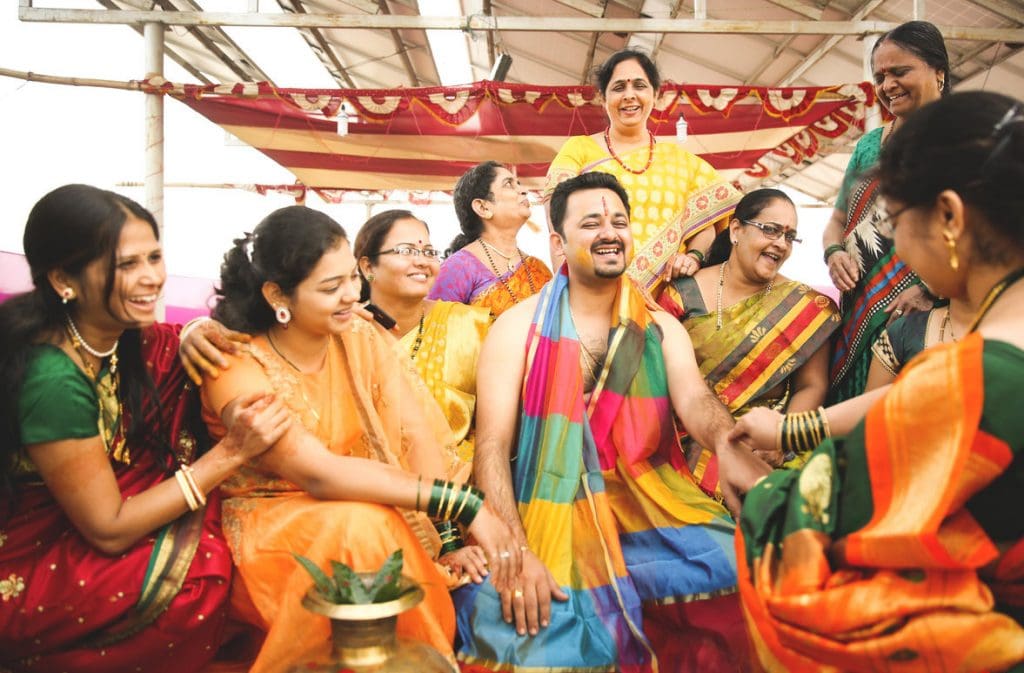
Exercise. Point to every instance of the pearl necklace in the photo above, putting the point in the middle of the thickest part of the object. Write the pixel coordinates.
(650, 153)
(718, 299)
(95, 352)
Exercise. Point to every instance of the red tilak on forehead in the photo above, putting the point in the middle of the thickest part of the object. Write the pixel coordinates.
(604, 203)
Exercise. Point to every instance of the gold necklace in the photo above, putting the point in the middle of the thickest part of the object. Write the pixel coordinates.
(718, 298)
(111, 411)
(500, 277)
(301, 386)
(946, 321)
(508, 258)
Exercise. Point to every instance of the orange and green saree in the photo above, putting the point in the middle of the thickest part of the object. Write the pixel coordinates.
(764, 340)
(899, 547)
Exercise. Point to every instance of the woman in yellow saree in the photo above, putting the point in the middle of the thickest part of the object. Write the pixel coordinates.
(898, 547)
(678, 200)
(351, 479)
(760, 338)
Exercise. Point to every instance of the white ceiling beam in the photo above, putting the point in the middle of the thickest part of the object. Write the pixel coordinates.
(479, 22)
(588, 8)
(811, 12)
(1004, 8)
(827, 44)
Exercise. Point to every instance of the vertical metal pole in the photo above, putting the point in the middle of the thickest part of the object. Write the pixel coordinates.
(919, 6)
(873, 118)
(154, 163)
(700, 9)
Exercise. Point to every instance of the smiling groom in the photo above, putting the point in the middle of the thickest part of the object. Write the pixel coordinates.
(579, 388)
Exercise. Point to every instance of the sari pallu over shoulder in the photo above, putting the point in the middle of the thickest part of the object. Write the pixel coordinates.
(68, 606)
(764, 340)
(868, 558)
(609, 508)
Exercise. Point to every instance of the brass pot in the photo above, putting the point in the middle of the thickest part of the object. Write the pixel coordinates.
(363, 636)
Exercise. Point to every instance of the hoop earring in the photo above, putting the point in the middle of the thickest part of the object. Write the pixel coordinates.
(283, 315)
(954, 259)
(66, 295)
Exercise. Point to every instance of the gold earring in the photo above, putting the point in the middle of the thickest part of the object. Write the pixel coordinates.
(954, 259)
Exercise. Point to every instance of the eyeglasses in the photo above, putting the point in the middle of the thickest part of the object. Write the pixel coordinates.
(886, 225)
(774, 232)
(412, 251)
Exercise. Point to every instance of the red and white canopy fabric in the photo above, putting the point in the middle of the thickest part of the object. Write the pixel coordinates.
(424, 139)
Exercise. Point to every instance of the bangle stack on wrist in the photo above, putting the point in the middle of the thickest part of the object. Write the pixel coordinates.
(802, 432)
(832, 249)
(451, 536)
(450, 501)
(698, 255)
(194, 496)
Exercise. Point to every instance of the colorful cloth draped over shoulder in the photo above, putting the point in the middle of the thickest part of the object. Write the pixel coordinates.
(610, 508)
(364, 403)
(445, 355)
(898, 547)
(465, 279)
(764, 340)
(679, 196)
(67, 606)
(882, 275)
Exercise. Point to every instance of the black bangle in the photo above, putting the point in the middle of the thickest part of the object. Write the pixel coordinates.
(833, 249)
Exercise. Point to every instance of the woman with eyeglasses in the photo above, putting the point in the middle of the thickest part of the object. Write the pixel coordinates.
(485, 266)
(440, 339)
(760, 338)
(899, 544)
(362, 471)
(911, 69)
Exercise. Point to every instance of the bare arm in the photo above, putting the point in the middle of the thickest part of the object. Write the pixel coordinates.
(80, 477)
(878, 375)
(498, 383)
(810, 383)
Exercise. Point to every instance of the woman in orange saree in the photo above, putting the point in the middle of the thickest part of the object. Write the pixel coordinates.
(351, 480)
(895, 547)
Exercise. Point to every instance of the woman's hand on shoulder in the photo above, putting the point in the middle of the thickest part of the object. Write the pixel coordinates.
(203, 345)
(255, 423)
(682, 264)
(914, 298)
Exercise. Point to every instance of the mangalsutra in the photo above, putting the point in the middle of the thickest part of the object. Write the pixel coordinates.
(500, 277)
(946, 322)
(650, 153)
(718, 298)
(419, 339)
(110, 407)
(508, 258)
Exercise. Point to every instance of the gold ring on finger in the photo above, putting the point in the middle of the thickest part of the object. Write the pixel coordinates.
(518, 593)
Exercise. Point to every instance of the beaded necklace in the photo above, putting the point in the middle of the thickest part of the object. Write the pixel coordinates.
(419, 338)
(946, 322)
(718, 298)
(508, 258)
(494, 268)
(111, 411)
(650, 152)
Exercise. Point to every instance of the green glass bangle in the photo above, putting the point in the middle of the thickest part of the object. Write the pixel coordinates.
(698, 254)
(832, 249)
(451, 537)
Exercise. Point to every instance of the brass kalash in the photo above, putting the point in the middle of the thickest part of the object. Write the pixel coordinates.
(363, 609)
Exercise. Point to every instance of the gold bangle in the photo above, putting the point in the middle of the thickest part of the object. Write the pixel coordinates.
(824, 422)
(190, 325)
(441, 499)
(462, 505)
(419, 485)
(196, 491)
(190, 499)
(451, 503)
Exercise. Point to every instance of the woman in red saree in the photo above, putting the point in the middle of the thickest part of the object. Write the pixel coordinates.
(899, 545)
(109, 560)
